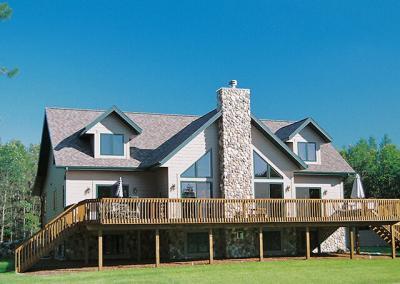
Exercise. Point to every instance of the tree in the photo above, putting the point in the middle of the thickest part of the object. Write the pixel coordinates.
(19, 210)
(379, 167)
(5, 14)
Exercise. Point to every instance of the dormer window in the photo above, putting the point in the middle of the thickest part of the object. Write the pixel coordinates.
(111, 144)
(307, 151)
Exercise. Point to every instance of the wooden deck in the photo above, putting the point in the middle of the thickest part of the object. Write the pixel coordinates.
(160, 213)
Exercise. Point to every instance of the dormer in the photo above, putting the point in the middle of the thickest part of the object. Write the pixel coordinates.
(110, 134)
(305, 138)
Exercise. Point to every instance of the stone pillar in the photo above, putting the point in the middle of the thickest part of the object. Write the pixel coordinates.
(235, 162)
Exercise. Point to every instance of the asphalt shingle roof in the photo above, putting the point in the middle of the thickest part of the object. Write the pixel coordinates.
(161, 133)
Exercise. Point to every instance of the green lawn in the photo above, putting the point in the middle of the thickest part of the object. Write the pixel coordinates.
(295, 271)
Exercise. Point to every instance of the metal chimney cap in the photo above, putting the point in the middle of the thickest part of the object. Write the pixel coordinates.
(233, 83)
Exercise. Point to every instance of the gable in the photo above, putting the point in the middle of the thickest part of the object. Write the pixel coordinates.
(288, 132)
(111, 124)
(115, 112)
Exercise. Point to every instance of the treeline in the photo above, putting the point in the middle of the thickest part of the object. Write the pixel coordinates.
(378, 165)
(19, 210)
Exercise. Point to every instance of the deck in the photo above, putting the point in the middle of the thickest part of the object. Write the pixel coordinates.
(163, 213)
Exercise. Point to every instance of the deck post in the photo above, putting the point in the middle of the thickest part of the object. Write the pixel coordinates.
(86, 249)
(357, 231)
(100, 249)
(308, 250)
(351, 229)
(157, 247)
(138, 247)
(260, 238)
(211, 245)
(393, 241)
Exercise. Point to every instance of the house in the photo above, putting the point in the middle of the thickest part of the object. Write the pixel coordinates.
(225, 185)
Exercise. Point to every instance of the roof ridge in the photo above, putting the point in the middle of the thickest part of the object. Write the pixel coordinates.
(130, 112)
(278, 120)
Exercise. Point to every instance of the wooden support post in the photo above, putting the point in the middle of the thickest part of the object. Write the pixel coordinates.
(260, 237)
(308, 250)
(138, 247)
(86, 250)
(157, 247)
(351, 229)
(211, 245)
(393, 241)
(357, 241)
(100, 249)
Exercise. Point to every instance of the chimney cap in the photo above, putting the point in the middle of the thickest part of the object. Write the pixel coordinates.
(233, 83)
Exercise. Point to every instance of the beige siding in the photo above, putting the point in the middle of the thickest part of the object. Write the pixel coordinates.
(53, 188)
(189, 154)
(82, 185)
(331, 186)
(110, 125)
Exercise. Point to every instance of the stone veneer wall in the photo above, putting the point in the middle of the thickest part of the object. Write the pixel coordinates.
(335, 242)
(235, 154)
(235, 161)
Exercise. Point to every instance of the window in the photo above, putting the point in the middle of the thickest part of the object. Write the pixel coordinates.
(200, 169)
(272, 240)
(307, 151)
(268, 190)
(105, 191)
(197, 243)
(112, 144)
(262, 169)
(196, 189)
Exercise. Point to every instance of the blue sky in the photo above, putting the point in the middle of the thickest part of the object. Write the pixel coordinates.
(336, 61)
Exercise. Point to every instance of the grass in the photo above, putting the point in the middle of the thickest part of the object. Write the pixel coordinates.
(298, 271)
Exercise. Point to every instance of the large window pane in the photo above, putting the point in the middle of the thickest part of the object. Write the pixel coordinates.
(201, 168)
(203, 190)
(260, 166)
(261, 190)
(112, 144)
(106, 144)
(311, 152)
(190, 172)
(204, 166)
(276, 190)
(118, 145)
(196, 189)
(302, 149)
(188, 189)
(262, 169)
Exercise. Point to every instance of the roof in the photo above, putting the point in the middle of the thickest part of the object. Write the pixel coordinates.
(277, 142)
(162, 135)
(120, 114)
(289, 131)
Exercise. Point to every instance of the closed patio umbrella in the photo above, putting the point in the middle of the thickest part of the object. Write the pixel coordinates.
(358, 190)
(120, 191)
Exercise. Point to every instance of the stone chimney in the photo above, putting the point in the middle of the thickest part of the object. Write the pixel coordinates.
(235, 152)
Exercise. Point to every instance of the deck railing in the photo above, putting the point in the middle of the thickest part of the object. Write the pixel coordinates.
(223, 211)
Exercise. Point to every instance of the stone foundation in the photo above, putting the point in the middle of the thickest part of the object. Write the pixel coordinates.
(335, 242)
